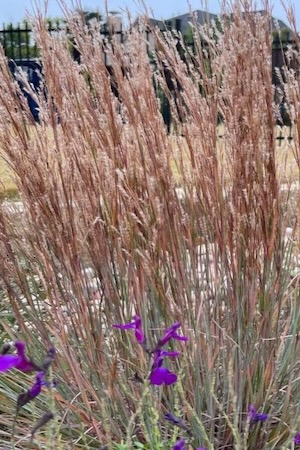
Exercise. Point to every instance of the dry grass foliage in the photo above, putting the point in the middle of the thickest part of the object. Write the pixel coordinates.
(99, 192)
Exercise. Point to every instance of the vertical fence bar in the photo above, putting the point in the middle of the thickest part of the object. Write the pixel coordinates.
(290, 136)
(11, 41)
(122, 34)
(280, 138)
(35, 50)
(20, 43)
(4, 38)
(27, 39)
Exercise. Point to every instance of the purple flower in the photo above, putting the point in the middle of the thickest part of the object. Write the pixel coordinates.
(160, 355)
(180, 445)
(255, 416)
(162, 375)
(36, 389)
(33, 392)
(24, 364)
(19, 361)
(297, 438)
(8, 362)
(171, 418)
(177, 421)
(136, 325)
(171, 333)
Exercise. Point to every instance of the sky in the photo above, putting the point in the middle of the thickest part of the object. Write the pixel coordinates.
(15, 10)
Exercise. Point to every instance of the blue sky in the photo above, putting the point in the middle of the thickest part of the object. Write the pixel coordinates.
(15, 10)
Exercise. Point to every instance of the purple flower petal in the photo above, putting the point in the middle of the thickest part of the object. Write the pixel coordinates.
(157, 376)
(137, 320)
(21, 347)
(160, 355)
(19, 361)
(169, 354)
(171, 418)
(180, 338)
(158, 359)
(139, 335)
(8, 362)
(255, 416)
(36, 389)
(136, 325)
(180, 445)
(24, 364)
(126, 326)
(261, 417)
(170, 378)
(177, 421)
(162, 375)
(171, 333)
(33, 392)
(297, 438)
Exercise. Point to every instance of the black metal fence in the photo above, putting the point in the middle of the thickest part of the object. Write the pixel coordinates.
(19, 44)
(22, 51)
(284, 136)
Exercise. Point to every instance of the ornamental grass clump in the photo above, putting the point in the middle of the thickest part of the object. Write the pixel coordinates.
(120, 217)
